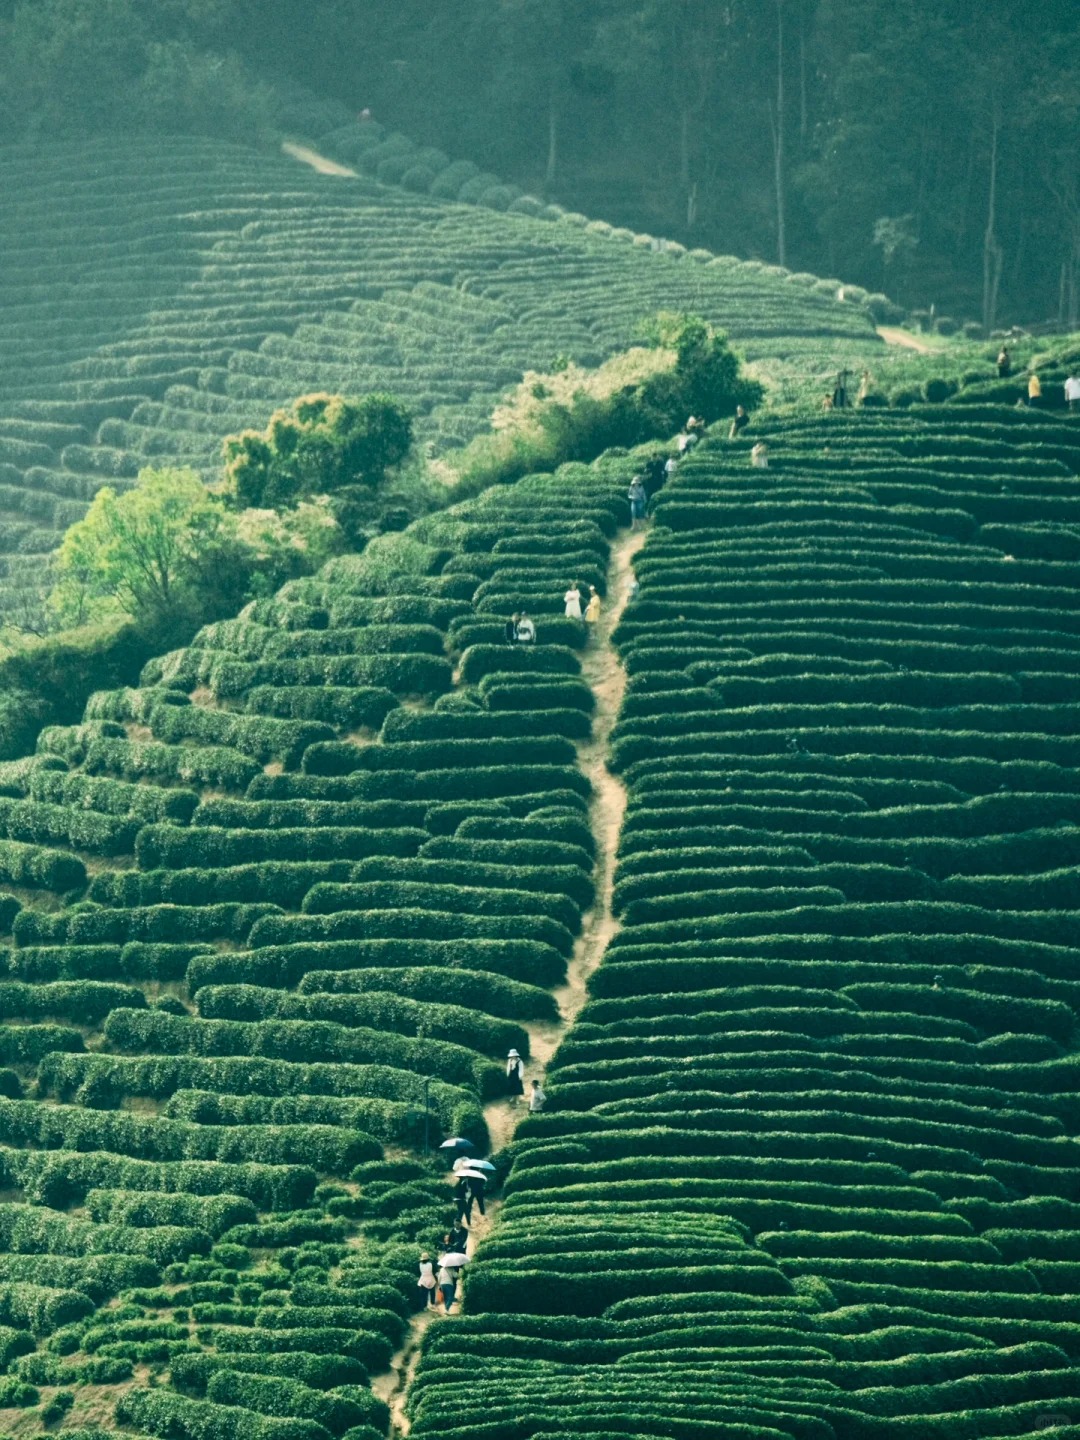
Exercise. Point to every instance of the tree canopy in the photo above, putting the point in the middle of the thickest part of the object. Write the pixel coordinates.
(931, 148)
(321, 444)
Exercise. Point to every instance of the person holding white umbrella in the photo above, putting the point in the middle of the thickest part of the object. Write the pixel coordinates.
(476, 1180)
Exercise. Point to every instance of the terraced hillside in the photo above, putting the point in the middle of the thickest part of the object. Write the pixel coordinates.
(809, 1165)
(158, 297)
(276, 916)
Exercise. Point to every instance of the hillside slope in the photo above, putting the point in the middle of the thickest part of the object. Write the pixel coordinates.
(159, 296)
(809, 1165)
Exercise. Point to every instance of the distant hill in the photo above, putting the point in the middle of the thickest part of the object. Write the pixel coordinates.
(157, 297)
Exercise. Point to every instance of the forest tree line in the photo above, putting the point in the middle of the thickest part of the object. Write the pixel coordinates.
(930, 151)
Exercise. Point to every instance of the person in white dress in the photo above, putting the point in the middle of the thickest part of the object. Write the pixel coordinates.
(426, 1282)
(573, 602)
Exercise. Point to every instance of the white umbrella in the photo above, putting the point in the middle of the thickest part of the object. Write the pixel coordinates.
(454, 1260)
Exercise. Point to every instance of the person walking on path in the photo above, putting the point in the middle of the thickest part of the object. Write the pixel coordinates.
(592, 610)
(477, 1189)
(515, 1075)
(740, 422)
(536, 1098)
(525, 633)
(448, 1285)
(1034, 389)
(573, 602)
(1004, 363)
(426, 1282)
(671, 464)
(639, 498)
(1072, 392)
(463, 1201)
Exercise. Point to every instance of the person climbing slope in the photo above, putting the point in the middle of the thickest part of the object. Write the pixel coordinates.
(448, 1278)
(515, 1076)
(463, 1201)
(639, 499)
(592, 610)
(426, 1282)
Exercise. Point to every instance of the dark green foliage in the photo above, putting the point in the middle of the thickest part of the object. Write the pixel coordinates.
(326, 443)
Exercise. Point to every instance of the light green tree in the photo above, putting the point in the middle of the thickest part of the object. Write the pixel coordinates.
(157, 553)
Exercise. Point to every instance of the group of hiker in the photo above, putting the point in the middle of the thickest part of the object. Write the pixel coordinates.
(515, 1084)
(439, 1279)
(521, 630)
(1034, 384)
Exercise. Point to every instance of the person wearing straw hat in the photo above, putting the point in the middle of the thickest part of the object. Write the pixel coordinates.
(515, 1075)
(463, 1201)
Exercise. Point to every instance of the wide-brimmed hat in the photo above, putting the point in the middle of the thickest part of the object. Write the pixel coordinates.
(512, 1055)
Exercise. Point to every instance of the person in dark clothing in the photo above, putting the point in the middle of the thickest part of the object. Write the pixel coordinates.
(515, 1075)
(526, 630)
(476, 1193)
(463, 1201)
(510, 630)
(455, 1239)
(740, 422)
(654, 475)
(1004, 363)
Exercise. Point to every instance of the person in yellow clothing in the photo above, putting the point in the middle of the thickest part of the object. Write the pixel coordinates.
(1034, 389)
(592, 611)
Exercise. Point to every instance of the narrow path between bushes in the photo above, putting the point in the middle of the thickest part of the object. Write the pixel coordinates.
(603, 671)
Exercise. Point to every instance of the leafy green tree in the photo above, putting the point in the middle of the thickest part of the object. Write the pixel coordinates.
(69, 62)
(322, 444)
(163, 553)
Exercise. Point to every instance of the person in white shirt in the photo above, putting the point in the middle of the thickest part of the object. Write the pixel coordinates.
(1072, 392)
(525, 630)
(536, 1097)
(448, 1279)
(426, 1282)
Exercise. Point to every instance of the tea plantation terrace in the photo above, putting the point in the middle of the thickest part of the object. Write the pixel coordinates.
(157, 297)
(809, 1164)
(276, 914)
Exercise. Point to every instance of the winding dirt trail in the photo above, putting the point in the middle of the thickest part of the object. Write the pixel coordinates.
(604, 673)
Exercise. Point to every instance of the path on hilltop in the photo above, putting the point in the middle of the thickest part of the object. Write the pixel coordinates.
(603, 671)
(318, 162)
(893, 336)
